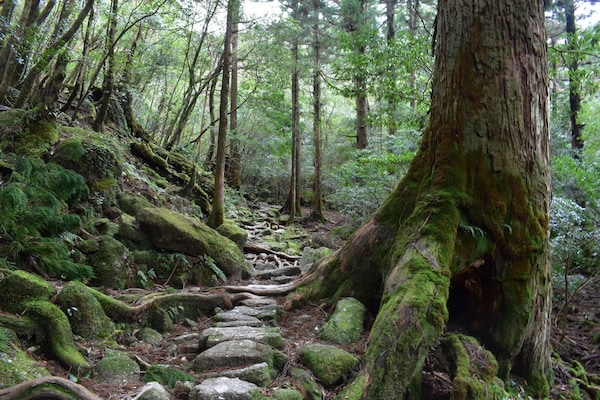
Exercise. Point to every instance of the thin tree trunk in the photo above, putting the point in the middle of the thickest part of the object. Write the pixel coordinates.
(109, 74)
(390, 11)
(210, 154)
(464, 237)
(233, 167)
(292, 205)
(216, 216)
(317, 200)
(574, 80)
(49, 53)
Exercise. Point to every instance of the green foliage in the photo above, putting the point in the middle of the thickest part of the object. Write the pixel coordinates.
(35, 214)
(165, 375)
(361, 184)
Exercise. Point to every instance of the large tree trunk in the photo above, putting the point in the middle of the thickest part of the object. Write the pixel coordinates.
(464, 237)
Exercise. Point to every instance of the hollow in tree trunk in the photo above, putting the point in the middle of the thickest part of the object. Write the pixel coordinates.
(463, 239)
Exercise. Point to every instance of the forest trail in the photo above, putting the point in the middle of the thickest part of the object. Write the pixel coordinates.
(224, 352)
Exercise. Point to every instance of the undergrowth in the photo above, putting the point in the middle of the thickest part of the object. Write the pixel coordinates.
(35, 201)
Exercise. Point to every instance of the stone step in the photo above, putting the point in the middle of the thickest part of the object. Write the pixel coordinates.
(215, 335)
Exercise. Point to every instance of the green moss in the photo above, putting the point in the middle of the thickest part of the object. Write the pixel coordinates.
(109, 262)
(60, 337)
(37, 139)
(16, 367)
(354, 391)
(346, 323)
(114, 309)
(85, 313)
(287, 394)
(19, 287)
(116, 366)
(327, 363)
(166, 376)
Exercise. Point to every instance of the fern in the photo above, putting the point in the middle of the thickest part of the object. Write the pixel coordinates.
(210, 263)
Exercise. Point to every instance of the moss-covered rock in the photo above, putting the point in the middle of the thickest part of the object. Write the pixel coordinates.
(231, 230)
(328, 363)
(149, 335)
(287, 394)
(22, 133)
(308, 384)
(346, 323)
(96, 161)
(173, 231)
(19, 287)
(109, 263)
(131, 203)
(15, 364)
(85, 313)
(115, 367)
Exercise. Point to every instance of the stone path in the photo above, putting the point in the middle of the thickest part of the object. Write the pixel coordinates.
(242, 354)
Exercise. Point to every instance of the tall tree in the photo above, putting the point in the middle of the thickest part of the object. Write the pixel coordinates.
(292, 205)
(355, 18)
(108, 83)
(317, 200)
(464, 237)
(574, 79)
(233, 163)
(217, 214)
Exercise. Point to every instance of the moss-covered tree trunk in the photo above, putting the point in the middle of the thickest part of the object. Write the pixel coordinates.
(464, 237)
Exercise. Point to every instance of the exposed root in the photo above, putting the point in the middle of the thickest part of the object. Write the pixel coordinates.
(51, 387)
(257, 250)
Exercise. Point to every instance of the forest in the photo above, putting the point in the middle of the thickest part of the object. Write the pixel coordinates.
(324, 199)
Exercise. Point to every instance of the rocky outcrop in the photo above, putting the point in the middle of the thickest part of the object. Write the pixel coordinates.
(173, 231)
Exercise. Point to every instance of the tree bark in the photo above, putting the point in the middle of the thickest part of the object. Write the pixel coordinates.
(109, 74)
(292, 205)
(464, 237)
(233, 166)
(216, 217)
(574, 80)
(317, 200)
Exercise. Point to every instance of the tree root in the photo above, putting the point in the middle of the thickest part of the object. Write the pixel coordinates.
(263, 290)
(257, 250)
(51, 387)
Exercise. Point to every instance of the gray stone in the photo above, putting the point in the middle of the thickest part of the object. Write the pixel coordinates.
(212, 336)
(153, 391)
(260, 302)
(224, 388)
(255, 324)
(266, 313)
(260, 374)
(236, 315)
(149, 335)
(238, 353)
(346, 323)
(291, 270)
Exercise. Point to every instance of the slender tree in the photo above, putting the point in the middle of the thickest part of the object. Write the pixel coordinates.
(292, 205)
(233, 165)
(317, 200)
(109, 74)
(574, 79)
(464, 237)
(217, 214)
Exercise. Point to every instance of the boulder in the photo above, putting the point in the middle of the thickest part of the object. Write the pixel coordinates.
(173, 231)
(212, 336)
(231, 230)
(328, 363)
(346, 323)
(19, 287)
(153, 391)
(239, 353)
(225, 389)
(116, 366)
